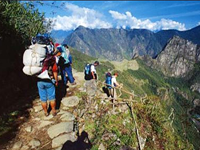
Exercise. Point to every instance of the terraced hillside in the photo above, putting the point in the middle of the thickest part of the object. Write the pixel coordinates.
(160, 106)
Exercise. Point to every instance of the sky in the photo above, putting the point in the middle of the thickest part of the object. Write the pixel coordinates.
(151, 15)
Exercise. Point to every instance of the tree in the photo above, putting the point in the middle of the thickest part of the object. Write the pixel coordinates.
(23, 18)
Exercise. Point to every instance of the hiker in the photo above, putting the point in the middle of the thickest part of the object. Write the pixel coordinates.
(114, 83)
(40, 62)
(108, 84)
(45, 84)
(91, 78)
(65, 63)
(57, 53)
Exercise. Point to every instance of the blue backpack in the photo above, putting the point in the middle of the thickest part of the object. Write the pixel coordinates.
(108, 80)
(88, 74)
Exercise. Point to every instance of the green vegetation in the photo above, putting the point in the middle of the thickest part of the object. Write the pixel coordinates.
(160, 111)
(160, 104)
(80, 59)
(22, 18)
(19, 22)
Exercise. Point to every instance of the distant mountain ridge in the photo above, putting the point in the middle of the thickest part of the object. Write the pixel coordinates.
(119, 44)
(191, 35)
(59, 35)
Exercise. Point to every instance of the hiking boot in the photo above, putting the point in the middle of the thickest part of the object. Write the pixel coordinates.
(57, 110)
(74, 83)
(46, 114)
(54, 113)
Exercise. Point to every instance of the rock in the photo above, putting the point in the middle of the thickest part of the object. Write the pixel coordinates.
(195, 87)
(60, 140)
(67, 117)
(17, 145)
(59, 148)
(82, 89)
(196, 102)
(70, 101)
(142, 142)
(197, 123)
(61, 112)
(28, 129)
(48, 117)
(37, 119)
(117, 142)
(123, 108)
(178, 57)
(34, 143)
(101, 147)
(108, 136)
(127, 148)
(25, 148)
(30, 110)
(103, 96)
(91, 87)
(44, 123)
(63, 127)
(65, 108)
(37, 108)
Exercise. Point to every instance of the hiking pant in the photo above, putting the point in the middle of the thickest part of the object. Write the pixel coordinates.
(67, 70)
(91, 87)
(112, 93)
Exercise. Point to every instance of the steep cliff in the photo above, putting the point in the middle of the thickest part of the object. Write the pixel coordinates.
(178, 57)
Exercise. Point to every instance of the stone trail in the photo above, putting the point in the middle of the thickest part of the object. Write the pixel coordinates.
(40, 132)
(51, 133)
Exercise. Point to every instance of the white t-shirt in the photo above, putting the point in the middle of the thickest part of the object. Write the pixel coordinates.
(113, 81)
(93, 69)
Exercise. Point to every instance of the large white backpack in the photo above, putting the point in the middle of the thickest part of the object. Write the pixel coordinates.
(33, 58)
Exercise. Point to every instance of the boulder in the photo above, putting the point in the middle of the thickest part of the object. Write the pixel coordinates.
(60, 140)
(63, 127)
(70, 101)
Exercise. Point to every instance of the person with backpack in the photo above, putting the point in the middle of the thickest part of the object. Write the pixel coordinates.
(111, 83)
(47, 80)
(114, 84)
(91, 77)
(65, 63)
(108, 84)
(40, 62)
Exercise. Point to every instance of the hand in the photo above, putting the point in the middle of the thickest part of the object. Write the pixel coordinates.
(121, 85)
(56, 84)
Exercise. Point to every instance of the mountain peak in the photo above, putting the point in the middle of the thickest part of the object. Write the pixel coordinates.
(80, 28)
(178, 57)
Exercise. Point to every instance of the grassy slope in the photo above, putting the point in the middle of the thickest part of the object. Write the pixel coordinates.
(152, 112)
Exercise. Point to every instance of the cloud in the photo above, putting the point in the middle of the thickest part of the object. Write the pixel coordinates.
(79, 16)
(127, 20)
(198, 23)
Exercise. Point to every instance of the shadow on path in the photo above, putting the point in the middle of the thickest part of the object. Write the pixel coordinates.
(60, 93)
(82, 143)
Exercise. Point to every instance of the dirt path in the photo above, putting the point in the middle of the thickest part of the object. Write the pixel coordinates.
(40, 132)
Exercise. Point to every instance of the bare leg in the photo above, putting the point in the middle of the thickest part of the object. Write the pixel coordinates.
(44, 106)
(53, 107)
